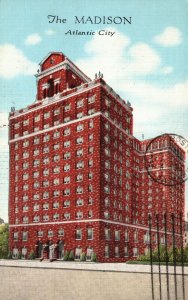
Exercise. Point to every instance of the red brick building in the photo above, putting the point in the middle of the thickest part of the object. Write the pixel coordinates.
(78, 179)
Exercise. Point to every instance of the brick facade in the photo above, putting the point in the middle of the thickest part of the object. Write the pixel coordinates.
(78, 179)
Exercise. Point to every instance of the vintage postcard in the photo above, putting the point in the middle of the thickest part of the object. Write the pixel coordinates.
(93, 149)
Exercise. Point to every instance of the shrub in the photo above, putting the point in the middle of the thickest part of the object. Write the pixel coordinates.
(83, 257)
(9, 256)
(32, 255)
(94, 257)
(71, 255)
(66, 256)
(19, 255)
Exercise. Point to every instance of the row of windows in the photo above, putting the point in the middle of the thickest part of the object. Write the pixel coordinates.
(56, 204)
(56, 217)
(66, 192)
(57, 122)
(56, 181)
(116, 250)
(51, 233)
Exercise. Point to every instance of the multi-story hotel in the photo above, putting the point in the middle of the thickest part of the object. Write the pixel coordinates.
(78, 180)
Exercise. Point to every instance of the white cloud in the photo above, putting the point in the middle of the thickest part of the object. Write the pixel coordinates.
(13, 62)
(33, 39)
(128, 68)
(167, 70)
(170, 37)
(50, 32)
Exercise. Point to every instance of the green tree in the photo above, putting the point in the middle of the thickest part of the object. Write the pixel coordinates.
(4, 235)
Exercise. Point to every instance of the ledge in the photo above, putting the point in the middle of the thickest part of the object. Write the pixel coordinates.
(89, 266)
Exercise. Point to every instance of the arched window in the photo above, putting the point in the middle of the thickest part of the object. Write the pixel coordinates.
(44, 93)
(50, 88)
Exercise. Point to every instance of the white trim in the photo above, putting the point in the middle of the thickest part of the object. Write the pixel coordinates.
(89, 220)
(79, 91)
(54, 127)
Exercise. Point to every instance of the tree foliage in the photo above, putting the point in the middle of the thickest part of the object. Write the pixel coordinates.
(4, 235)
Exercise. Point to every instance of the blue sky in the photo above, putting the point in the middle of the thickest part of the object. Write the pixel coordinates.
(144, 62)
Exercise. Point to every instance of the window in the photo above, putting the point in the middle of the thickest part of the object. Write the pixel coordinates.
(36, 196)
(24, 236)
(45, 218)
(66, 155)
(117, 235)
(36, 174)
(36, 152)
(45, 183)
(79, 202)
(40, 233)
(56, 170)
(90, 163)
(46, 126)
(66, 119)
(25, 187)
(66, 144)
(135, 236)
(78, 253)
(89, 253)
(56, 158)
(79, 215)
(61, 232)
(91, 111)
(80, 103)
(16, 125)
(25, 198)
(56, 216)
(79, 140)
(56, 205)
(56, 111)
(46, 138)
(80, 127)
(45, 206)
(90, 188)
(56, 134)
(67, 107)
(36, 140)
(46, 172)
(25, 220)
(25, 154)
(56, 193)
(107, 234)
(66, 179)
(106, 251)
(25, 132)
(56, 146)
(79, 177)
(36, 207)
(37, 118)
(90, 201)
(135, 252)
(91, 99)
(66, 216)
(90, 233)
(15, 236)
(25, 208)
(90, 176)
(25, 144)
(66, 192)
(90, 214)
(79, 152)
(45, 195)
(66, 203)
(46, 115)
(36, 219)
(79, 190)
(25, 176)
(66, 168)
(91, 124)
(116, 251)
(78, 234)
(56, 122)
(50, 233)
(106, 215)
(80, 115)
(46, 160)
(66, 131)
(126, 236)
(80, 165)
(56, 181)
(126, 251)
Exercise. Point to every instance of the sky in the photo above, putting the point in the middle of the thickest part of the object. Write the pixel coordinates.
(144, 62)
